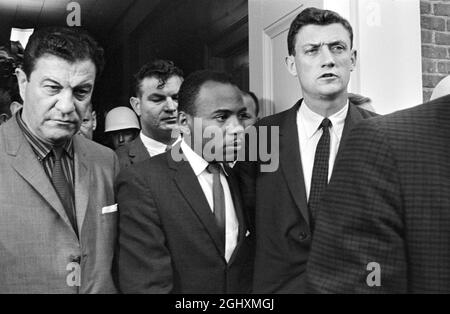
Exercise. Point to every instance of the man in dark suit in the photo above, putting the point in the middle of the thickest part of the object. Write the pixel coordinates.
(182, 225)
(310, 133)
(384, 223)
(156, 88)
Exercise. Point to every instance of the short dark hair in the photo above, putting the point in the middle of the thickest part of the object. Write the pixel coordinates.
(191, 86)
(69, 43)
(160, 69)
(315, 16)
(255, 99)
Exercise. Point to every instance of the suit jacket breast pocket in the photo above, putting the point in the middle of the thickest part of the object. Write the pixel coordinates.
(109, 225)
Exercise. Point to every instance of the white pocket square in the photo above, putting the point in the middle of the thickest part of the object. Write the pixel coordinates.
(247, 234)
(109, 209)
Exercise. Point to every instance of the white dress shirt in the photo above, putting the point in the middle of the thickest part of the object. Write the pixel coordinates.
(153, 147)
(205, 179)
(308, 123)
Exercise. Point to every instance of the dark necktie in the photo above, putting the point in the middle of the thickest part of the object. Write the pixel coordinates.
(218, 198)
(63, 188)
(319, 180)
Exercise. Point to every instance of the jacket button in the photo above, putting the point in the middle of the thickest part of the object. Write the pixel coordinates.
(75, 258)
(303, 236)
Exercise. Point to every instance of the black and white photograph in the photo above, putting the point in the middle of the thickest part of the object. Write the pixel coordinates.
(225, 152)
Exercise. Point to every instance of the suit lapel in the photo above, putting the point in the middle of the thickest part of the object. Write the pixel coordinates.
(190, 188)
(82, 183)
(238, 208)
(137, 151)
(353, 117)
(237, 202)
(30, 169)
(290, 160)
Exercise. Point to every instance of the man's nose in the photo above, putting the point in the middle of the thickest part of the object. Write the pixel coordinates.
(171, 104)
(235, 126)
(327, 57)
(65, 102)
(121, 138)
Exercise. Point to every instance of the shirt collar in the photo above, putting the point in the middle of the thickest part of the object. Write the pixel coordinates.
(152, 145)
(312, 120)
(197, 163)
(41, 148)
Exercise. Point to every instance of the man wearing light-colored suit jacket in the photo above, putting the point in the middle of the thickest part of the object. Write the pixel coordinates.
(321, 57)
(58, 219)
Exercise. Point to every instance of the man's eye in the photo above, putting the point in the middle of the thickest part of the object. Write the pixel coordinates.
(52, 88)
(221, 118)
(175, 97)
(81, 93)
(338, 48)
(311, 51)
(244, 116)
(156, 99)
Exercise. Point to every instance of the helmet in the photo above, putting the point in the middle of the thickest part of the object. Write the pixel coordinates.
(441, 89)
(121, 118)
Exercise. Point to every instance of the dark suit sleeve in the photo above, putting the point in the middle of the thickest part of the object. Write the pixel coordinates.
(143, 261)
(360, 220)
(122, 154)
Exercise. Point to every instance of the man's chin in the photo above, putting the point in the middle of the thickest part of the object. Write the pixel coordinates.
(331, 93)
(230, 155)
(332, 89)
(58, 135)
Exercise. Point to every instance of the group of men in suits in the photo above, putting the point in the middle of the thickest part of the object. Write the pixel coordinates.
(358, 203)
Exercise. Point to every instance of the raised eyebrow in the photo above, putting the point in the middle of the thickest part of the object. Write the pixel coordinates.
(156, 95)
(226, 111)
(86, 85)
(49, 80)
(311, 45)
(337, 42)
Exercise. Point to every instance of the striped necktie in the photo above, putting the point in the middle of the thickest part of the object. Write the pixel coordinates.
(319, 180)
(63, 187)
(218, 198)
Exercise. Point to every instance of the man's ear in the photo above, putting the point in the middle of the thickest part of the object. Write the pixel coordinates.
(290, 65)
(94, 120)
(184, 122)
(22, 81)
(136, 105)
(3, 118)
(354, 58)
(14, 107)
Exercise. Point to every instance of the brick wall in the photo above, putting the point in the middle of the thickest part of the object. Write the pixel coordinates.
(435, 25)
